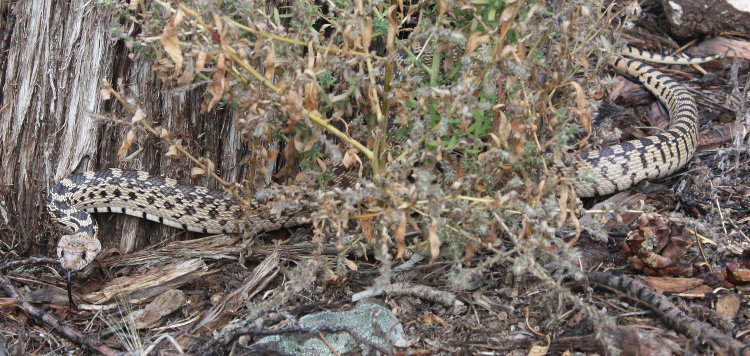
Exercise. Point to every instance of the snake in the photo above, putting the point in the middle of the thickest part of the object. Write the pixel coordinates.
(193, 208)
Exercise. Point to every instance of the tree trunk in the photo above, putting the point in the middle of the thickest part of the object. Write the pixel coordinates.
(53, 122)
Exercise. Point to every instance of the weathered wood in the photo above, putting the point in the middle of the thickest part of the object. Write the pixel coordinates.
(50, 120)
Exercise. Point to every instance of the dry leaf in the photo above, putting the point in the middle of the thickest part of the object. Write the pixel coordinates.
(321, 163)
(345, 37)
(196, 171)
(172, 152)
(393, 26)
(309, 144)
(133, 5)
(469, 253)
(129, 139)
(538, 350)
(138, 116)
(584, 116)
(442, 10)
(164, 133)
(298, 144)
(271, 155)
(291, 107)
(431, 319)
(106, 93)
(350, 264)
(311, 96)
(208, 164)
(333, 277)
(434, 241)
(350, 158)
(201, 62)
(171, 43)
(562, 203)
(219, 84)
(187, 76)
(270, 61)
(475, 40)
(367, 34)
(368, 230)
(400, 237)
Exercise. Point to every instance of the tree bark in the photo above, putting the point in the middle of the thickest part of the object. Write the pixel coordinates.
(51, 123)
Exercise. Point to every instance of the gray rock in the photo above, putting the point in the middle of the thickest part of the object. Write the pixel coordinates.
(370, 320)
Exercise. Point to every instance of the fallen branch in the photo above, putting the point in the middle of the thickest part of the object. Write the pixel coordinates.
(670, 314)
(58, 325)
(428, 293)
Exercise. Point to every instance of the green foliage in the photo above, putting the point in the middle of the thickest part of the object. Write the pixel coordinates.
(468, 123)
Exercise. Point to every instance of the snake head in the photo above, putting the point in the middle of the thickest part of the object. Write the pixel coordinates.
(77, 250)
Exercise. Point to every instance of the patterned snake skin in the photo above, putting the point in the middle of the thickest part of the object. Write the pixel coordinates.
(162, 200)
(198, 209)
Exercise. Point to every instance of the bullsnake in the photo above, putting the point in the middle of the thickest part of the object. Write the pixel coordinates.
(199, 209)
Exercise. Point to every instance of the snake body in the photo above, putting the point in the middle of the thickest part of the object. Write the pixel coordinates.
(621, 166)
(160, 199)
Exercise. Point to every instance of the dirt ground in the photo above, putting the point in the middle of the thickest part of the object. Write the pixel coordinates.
(685, 236)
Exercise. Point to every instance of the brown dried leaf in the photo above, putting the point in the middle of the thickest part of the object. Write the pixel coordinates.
(311, 96)
(291, 108)
(201, 62)
(583, 115)
(298, 144)
(563, 205)
(129, 139)
(345, 37)
(434, 241)
(138, 116)
(368, 230)
(431, 319)
(332, 277)
(367, 35)
(171, 43)
(219, 84)
(309, 144)
(106, 93)
(321, 164)
(400, 237)
(187, 76)
(208, 164)
(172, 152)
(164, 133)
(350, 158)
(271, 155)
(442, 10)
(503, 130)
(196, 171)
(133, 5)
(351, 265)
(469, 253)
(475, 40)
(538, 350)
(390, 46)
(270, 61)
